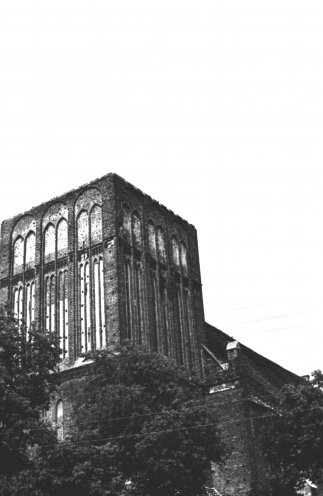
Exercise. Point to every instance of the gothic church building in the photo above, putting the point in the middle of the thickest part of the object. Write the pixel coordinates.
(105, 263)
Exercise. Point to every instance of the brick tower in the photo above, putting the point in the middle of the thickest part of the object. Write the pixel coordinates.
(105, 263)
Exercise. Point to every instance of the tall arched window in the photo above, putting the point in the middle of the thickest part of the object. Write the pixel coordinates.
(60, 420)
(152, 238)
(175, 250)
(161, 244)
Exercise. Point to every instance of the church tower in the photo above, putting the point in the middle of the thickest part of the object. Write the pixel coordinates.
(102, 264)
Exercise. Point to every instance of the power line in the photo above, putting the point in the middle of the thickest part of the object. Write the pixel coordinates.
(274, 330)
(268, 318)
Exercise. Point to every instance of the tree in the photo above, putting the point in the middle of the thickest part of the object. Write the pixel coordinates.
(27, 360)
(293, 439)
(143, 427)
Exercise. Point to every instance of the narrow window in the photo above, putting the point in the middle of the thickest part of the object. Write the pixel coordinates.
(126, 221)
(28, 306)
(60, 420)
(62, 240)
(161, 244)
(96, 224)
(49, 250)
(179, 327)
(164, 300)
(66, 344)
(82, 230)
(187, 325)
(30, 250)
(175, 250)
(184, 256)
(52, 326)
(154, 340)
(32, 286)
(47, 299)
(102, 306)
(97, 313)
(128, 298)
(20, 304)
(18, 255)
(136, 230)
(63, 313)
(138, 301)
(152, 239)
(16, 304)
(82, 308)
(87, 307)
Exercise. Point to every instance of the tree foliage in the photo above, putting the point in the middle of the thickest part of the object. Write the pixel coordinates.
(26, 364)
(293, 440)
(142, 427)
(151, 420)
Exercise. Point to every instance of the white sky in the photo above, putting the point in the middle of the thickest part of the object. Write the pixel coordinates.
(215, 109)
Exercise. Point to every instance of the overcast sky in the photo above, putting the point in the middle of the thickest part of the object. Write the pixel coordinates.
(215, 109)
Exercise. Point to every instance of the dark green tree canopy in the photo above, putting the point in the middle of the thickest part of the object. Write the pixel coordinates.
(293, 439)
(27, 361)
(152, 419)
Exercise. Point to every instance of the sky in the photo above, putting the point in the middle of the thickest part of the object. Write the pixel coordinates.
(215, 109)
